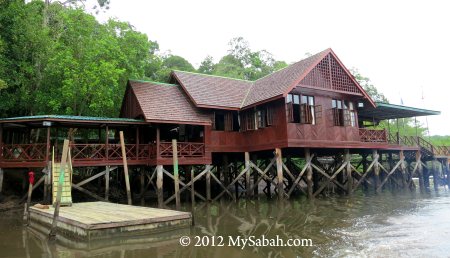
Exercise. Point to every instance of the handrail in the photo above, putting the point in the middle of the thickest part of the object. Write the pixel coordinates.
(371, 135)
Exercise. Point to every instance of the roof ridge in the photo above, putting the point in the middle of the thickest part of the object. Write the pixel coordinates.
(217, 76)
(148, 81)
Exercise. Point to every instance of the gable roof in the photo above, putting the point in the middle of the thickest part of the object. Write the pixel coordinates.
(213, 91)
(282, 81)
(227, 93)
(161, 102)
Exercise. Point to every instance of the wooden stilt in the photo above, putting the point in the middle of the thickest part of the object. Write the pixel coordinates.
(142, 190)
(447, 169)
(403, 169)
(280, 184)
(175, 173)
(159, 185)
(65, 153)
(247, 174)
(420, 171)
(192, 186)
(376, 169)
(125, 167)
(434, 166)
(208, 184)
(255, 177)
(107, 170)
(1, 179)
(309, 174)
(364, 165)
(348, 171)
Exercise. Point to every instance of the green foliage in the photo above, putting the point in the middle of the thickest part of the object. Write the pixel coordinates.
(440, 140)
(367, 85)
(61, 60)
(241, 62)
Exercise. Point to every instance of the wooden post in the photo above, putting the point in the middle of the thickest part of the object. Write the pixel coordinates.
(159, 185)
(376, 170)
(142, 192)
(47, 147)
(279, 173)
(175, 173)
(137, 142)
(30, 191)
(192, 187)
(1, 179)
(309, 174)
(420, 171)
(107, 145)
(158, 136)
(208, 183)
(435, 174)
(247, 174)
(255, 176)
(403, 169)
(364, 165)
(226, 170)
(446, 166)
(62, 171)
(349, 172)
(125, 167)
(107, 170)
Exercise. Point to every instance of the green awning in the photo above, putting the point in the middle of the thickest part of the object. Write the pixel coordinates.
(37, 121)
(384, 111)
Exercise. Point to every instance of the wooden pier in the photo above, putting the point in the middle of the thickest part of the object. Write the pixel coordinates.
(100, 220)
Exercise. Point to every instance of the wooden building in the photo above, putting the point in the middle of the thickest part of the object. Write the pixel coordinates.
(241, 133)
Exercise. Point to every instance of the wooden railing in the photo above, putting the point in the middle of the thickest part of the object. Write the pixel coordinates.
(100, 152)
(369, 135)
(24, 152)
(185, 149)
(442, 151)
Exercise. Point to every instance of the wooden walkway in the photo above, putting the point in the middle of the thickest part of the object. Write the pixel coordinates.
(101, 220)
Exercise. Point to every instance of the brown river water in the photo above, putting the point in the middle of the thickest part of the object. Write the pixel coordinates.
(402, 224)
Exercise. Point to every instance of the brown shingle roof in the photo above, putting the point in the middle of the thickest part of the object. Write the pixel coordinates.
(213, 91)
(216, 91)
(279, 82)
(167, 102)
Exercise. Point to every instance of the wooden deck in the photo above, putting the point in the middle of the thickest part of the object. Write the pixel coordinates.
(102, 220)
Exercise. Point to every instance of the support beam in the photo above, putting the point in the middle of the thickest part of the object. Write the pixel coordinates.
(175, 173)
(142, 185)
(376, 169)
(420, 170)
(2, 174)
(159, 185)
(247, 174)
(192, 187)
(403, 168)
(208, 183)
(107, 170)
(434, 166)
(280, 186)
(348, 170)
(125, 167)
(255, 177)
(309, 172)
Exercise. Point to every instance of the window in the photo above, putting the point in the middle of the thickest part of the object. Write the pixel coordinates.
(343, 112)
(219, 121)
(302, 109)
(248, 120)
(225, 121)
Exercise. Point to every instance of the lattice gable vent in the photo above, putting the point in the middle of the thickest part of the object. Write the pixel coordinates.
(329, 74)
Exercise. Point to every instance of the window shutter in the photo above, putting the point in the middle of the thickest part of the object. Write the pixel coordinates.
(290, 112)
(269, 113)
(214, 121)
(303, 116)
(318, 113)
(347, 120)
(229, 121)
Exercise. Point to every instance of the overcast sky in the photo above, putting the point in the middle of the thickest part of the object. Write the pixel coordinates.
(402, 46)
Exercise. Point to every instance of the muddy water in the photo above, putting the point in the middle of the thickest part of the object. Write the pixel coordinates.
(384, 225)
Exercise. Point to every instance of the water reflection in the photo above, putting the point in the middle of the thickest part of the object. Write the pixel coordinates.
(384, 225)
